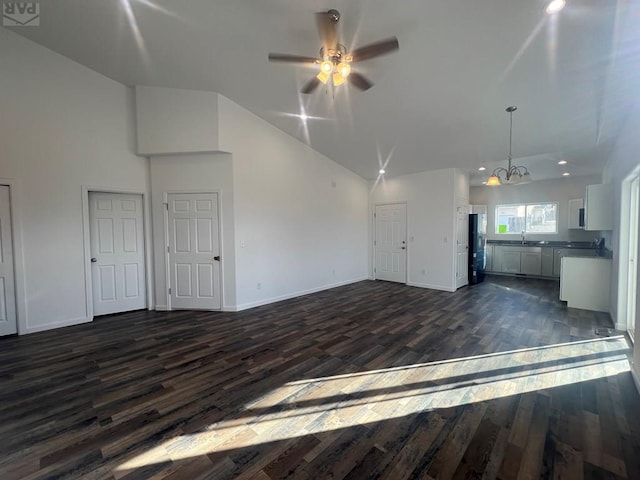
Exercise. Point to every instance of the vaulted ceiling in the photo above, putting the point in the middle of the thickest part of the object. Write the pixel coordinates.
(437, 103)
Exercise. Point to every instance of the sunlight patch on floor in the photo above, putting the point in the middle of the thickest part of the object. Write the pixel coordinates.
(318, 405)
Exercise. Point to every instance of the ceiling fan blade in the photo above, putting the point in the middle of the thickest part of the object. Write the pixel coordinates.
(285, 57)
(375, 49)
(327, 23)
(311, 85)
(359, 81)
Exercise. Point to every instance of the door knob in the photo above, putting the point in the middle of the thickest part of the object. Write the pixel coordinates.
(94, 260)
(217, 258)
(404, 248)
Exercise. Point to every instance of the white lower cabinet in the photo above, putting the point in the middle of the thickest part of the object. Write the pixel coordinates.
(585, 282)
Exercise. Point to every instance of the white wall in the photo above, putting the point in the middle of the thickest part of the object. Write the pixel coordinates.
(63, 127)
(624, 158)
(431, 206)
(300, 218)
(171, 120)
(558, 190)
(193, 173)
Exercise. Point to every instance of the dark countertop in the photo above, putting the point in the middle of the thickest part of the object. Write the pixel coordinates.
(544, 243)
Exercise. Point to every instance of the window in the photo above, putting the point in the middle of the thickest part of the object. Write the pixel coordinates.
(528, 218)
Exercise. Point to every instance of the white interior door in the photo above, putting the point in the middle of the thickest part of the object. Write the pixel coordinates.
(391, 242)
(117, 252)
(462, 246)
(194, 251)
(8, 321)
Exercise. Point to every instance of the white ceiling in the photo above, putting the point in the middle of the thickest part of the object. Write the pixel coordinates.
(437, 103)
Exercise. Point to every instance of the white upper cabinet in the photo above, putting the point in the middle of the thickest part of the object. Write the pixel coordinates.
(598, 207)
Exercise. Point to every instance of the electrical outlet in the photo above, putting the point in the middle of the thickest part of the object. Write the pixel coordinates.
(424, 272)
(333, 272)
(259, 285)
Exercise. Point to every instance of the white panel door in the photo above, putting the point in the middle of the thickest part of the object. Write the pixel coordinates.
(462, 246)
(117, 252)
(391, 242)
(194, 251)
(8, 321)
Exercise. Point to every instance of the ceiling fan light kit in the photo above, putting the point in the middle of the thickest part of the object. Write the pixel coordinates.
(334, 59)
(513, 174)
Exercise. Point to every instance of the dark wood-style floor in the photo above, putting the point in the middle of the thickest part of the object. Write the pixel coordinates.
(371, 380)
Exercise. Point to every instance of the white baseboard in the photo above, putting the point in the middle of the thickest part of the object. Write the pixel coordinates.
(431, 286)
(266, 301)
(161, 308)
(54, 325)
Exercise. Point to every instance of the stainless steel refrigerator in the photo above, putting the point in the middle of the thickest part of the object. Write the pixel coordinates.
(477, 247)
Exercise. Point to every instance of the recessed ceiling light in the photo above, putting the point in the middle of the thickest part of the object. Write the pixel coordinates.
(562, 162)
(484, 183)
(303, 117)
(555, 6)
(482, 169)
(566, 174)
(382, 172)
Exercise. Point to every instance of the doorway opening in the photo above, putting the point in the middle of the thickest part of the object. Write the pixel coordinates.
(628, 273)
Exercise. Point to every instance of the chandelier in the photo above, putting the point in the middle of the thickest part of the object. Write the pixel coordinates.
(513, 174)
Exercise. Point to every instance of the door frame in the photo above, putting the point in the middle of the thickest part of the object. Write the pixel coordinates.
(165, 220)
(375, 235)
(461, 204)
(86, 233)
(18, 252)
(621, 319)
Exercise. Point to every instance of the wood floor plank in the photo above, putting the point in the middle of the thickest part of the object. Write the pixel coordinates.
(368, 380)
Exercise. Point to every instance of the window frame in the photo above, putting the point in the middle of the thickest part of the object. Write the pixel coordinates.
(526, 206)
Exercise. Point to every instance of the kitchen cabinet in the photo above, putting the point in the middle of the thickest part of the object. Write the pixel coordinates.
(575, 206)
(489, 258)
(531, 262)
(546, 262)
(510, 261)
(598, 207)
(519, 260)
(584, 282)
(560, 253)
